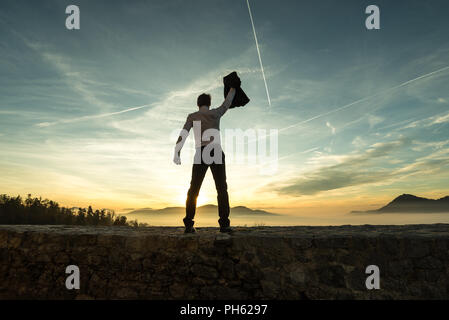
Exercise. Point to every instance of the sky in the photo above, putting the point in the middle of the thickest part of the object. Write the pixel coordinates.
(87, 116)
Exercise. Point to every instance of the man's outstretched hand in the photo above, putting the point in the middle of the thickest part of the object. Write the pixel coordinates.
(177, 158)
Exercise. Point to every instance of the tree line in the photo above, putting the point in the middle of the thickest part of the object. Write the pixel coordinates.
(15, 210)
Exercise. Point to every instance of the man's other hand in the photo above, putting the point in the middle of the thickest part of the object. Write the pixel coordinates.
(177, 159)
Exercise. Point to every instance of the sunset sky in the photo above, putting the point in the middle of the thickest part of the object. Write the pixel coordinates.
(363, 116)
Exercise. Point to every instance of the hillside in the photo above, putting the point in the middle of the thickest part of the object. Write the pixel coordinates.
(408, 203)
(208, 209)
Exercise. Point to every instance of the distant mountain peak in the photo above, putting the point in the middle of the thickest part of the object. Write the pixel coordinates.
(208, 206)
(205, 209)
(408, 197)
(408, 203)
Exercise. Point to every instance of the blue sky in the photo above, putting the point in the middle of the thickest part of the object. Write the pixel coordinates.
(62, 137)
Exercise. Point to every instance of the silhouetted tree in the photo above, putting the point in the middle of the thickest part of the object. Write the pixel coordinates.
(15, 210)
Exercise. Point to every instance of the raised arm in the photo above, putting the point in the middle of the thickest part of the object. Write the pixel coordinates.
(226, 103)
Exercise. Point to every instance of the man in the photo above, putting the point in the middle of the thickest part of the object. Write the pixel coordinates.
(206, 126)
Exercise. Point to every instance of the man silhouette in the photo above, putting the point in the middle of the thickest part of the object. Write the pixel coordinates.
(206, 126)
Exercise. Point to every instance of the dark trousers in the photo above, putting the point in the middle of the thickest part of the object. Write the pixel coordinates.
(219, 173)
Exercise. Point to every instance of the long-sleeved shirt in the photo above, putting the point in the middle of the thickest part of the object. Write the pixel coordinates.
(208, 118)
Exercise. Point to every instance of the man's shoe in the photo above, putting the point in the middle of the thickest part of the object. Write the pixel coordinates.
(190, 230)
(226, 229)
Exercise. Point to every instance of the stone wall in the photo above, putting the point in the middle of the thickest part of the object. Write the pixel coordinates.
(252, 263)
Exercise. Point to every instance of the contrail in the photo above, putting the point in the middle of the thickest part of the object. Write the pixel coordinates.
(258, 53)
(47, 124)
(366, 98)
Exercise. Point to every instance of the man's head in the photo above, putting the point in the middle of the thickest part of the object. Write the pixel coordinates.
(203, 100)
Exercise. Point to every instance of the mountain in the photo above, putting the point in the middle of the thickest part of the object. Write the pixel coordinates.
(208, 209)
(408, 203)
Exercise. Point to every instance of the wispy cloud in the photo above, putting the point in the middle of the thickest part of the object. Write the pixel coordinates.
(95, 116)
(440, 119)
(166, 107)
(79, 82)
(429, 121)
(351, 170)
